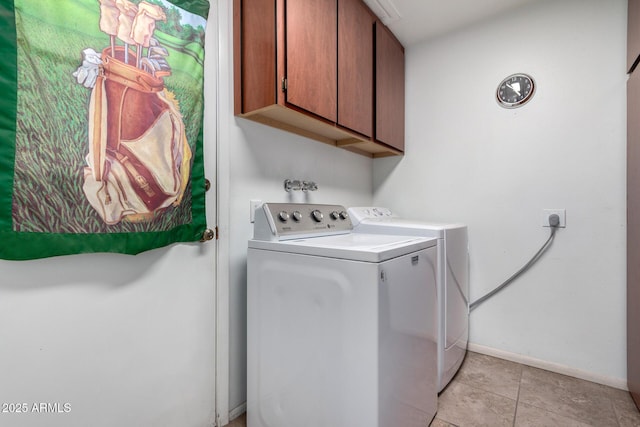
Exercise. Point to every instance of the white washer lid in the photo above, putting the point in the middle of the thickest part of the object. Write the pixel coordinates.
(352, 246)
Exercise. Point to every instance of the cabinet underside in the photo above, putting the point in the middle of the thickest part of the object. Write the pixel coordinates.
(301, 124)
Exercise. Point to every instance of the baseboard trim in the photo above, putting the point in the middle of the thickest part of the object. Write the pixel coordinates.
(549, 366)
(237, 411)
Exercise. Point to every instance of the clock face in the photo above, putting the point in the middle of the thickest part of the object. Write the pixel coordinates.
(515, 90)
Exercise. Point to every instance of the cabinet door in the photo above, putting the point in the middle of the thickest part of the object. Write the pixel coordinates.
(355, 66)
(389, 89)
(255, 69)
(633, 235)
(311, 56)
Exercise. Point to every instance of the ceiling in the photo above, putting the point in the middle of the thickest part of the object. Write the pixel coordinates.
(413, 21)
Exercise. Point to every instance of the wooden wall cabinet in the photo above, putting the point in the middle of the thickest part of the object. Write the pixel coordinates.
(309, 67)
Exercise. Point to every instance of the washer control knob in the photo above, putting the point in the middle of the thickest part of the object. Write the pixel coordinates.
(344, 215)
(335, 215)
(297, 216)
(317, 215)
(284, 216)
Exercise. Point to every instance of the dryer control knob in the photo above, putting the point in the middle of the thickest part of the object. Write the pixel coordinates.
(317, 215)
(344, 215)
(284, 217)
(297, 216)
(335, 215)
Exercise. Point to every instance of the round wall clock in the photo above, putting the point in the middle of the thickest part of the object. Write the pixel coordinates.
(515, 90)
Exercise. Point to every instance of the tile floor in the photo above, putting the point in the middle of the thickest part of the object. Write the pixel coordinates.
(494, 392)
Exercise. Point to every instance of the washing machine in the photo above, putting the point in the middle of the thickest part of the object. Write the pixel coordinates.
(452, 274)
(341, 326)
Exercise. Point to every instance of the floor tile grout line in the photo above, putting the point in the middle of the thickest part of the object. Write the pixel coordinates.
(515, 412)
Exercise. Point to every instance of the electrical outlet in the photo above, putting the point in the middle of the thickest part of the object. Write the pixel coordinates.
(253, 205)
(548, 212)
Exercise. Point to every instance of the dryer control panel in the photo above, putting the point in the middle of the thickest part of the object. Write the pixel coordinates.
(359, 214)
(282, 221)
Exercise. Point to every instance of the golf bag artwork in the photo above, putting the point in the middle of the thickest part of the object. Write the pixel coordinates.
(138, 160)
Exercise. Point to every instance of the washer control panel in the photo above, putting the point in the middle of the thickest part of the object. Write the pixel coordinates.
(302, 219)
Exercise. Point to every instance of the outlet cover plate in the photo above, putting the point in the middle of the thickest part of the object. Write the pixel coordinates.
(560, 212)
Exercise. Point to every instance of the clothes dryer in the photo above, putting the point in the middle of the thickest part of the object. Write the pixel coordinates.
(341, 326)
(452, 278)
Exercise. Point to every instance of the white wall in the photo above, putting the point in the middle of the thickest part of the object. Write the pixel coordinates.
(469, 160)
(123, 340)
